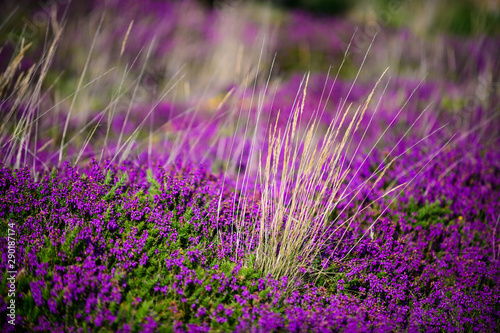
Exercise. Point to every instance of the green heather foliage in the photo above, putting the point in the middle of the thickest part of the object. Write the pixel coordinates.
(429, 213)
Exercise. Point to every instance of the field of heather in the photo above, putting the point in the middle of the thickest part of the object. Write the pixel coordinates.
(230, 166)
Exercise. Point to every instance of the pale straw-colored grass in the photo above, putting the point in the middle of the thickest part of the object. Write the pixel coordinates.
(300, 181)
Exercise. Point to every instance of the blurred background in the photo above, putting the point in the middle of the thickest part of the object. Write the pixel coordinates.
(463, 17)
(197, 55)
(215, 43)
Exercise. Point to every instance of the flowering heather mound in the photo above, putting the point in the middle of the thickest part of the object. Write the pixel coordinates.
(124, 247)
(191, 200)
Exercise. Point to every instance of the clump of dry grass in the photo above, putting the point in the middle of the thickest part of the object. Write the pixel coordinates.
(300, 183)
